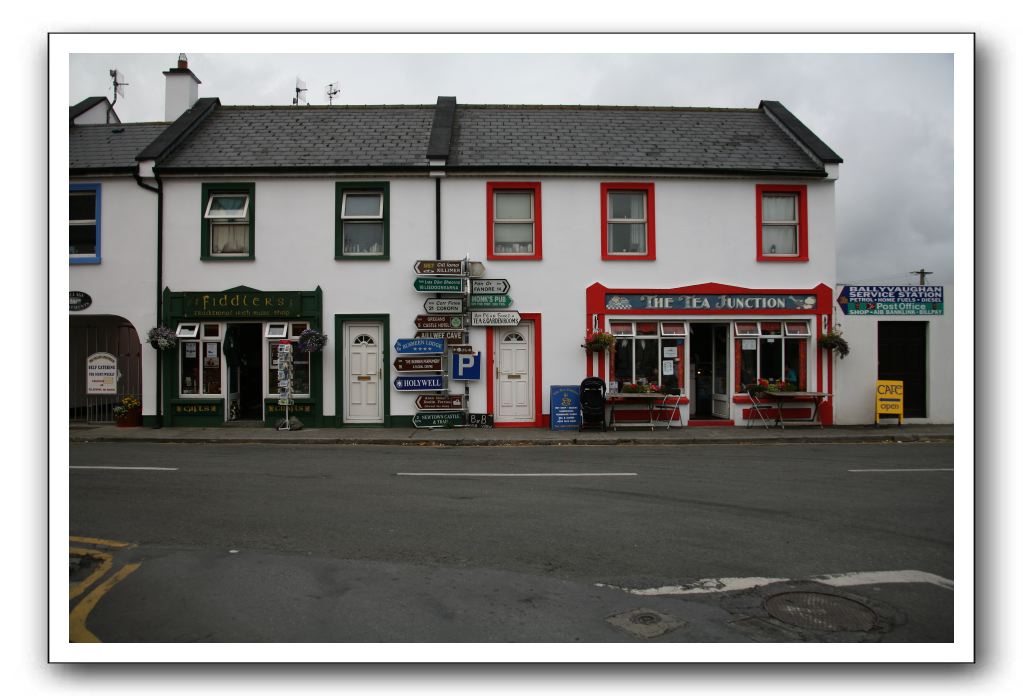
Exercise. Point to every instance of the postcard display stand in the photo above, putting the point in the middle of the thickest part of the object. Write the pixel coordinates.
(285, 372)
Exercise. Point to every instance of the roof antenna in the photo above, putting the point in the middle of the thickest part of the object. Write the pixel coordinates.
(300, 91)
(331, 91)
(118, 84)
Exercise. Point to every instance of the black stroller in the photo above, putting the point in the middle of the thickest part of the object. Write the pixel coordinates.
(591, 402)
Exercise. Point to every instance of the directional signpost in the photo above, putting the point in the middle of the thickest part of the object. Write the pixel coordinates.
(438, 419)
(440, 402)
(490, 301)
(445, 305)
(419, 363)
(489, 286)
(430, 284)
(418, 346)
(460, 348)
(443, 335)
(423, 383)
(438, 267)
(436, 321)
(510, 318)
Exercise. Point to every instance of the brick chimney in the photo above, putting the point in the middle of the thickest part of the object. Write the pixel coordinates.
(182, 89)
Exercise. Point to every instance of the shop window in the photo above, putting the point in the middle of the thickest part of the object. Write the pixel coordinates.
(84, 223)
(299, 360)
(763, 354)
(649, 352)
(228, 222)
(514, 221)
(200, 366)
(782, 230)
(627, 221)
(276, 331)
(362, 229)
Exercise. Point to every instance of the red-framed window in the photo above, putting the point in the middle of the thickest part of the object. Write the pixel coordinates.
(514, 220)
(782, 226)
(627, 229)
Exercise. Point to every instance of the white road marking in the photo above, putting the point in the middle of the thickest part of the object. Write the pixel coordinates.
(837, 580)
(468, 473)
(858, 471)
(129, 468)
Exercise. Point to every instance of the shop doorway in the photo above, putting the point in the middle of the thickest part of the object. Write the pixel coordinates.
(708, 371)
(902, 355)
(243, 351)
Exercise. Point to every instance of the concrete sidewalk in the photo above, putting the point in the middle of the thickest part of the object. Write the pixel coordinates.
(490, 437)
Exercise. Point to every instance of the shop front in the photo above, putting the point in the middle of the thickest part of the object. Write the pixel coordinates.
(224, 367)
(709, 343)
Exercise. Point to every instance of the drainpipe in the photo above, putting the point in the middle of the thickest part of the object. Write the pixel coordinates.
(437, 210)
(158, 190)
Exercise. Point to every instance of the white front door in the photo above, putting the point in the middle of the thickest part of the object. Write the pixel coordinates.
(514, 366)
(363, 363)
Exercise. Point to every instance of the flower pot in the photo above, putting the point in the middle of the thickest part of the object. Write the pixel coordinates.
(131, 419)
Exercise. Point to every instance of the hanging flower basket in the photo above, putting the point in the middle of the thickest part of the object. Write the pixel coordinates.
(832, 341)
(161, 338)
(311, 341)
(598, 341)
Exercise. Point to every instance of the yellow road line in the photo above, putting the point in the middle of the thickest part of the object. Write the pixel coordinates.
(102, 542)
(78, 632)
(106, 561)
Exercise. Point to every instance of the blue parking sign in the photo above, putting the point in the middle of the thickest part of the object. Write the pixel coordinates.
(465, 366)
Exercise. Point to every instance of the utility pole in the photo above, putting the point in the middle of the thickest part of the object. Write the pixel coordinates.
(921, 273)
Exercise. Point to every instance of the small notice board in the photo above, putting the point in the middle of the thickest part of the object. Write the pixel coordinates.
(888, 399)
(565, 413)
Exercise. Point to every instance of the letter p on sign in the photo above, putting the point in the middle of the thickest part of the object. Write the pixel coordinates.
(466, 366)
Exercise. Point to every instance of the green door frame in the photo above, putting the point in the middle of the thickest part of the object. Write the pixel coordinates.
(340, 378)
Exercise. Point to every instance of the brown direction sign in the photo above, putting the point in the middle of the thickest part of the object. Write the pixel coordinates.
(438, 267)
(448, 335)
(440, 402)
(461, 348)
(418, 363)
(437, 321)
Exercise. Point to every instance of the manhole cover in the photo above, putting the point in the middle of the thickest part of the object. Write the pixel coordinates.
(645, 623)
(821, 612)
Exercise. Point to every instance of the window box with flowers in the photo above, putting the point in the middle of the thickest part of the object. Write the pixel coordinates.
(128, 412)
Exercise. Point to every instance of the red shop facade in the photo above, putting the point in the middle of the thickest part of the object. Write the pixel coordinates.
(710, 342)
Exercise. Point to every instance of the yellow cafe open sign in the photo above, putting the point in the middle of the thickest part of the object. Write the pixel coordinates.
(888, 399)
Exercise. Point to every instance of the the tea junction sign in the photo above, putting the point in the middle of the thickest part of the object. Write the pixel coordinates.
(443, 339)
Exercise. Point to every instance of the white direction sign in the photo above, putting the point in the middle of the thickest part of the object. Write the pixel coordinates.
(444, 305)
(510, 318)
(490, 286)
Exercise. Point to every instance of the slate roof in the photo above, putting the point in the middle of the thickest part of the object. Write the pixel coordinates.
(111, 147)
(239, 138)
(632, 138)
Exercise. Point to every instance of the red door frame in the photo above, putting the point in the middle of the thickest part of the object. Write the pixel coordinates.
(538, 417)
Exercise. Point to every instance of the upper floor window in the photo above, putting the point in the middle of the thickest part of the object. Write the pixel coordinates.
(361, 229)
(627, 221)
(84, 223)
(514, 220)
(228, 221)
(781, 223)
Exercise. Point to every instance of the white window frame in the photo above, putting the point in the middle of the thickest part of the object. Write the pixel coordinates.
(187, 330)
(794, 223)
(291, 333)
(193, 332)
(377, 217)
(276, 331)
(531, 220)
(629, 221)
(226, 215)
(84, 222)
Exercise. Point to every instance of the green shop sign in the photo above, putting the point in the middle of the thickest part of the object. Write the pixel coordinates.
(236, 304)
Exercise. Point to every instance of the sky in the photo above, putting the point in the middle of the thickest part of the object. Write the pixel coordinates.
(888, 115)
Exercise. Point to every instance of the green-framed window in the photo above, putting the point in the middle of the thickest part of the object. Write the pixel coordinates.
(228, 222)
(362, 220)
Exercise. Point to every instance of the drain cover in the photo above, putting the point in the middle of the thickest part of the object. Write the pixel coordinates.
(645, 623)
(818, 611)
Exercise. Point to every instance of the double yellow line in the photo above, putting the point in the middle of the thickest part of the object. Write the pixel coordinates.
(78, 632)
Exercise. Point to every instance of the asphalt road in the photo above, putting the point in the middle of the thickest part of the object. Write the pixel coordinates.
(312, 532)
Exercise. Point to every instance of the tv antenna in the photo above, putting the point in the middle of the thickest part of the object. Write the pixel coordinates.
(300, 91)
(331, 91)
(119, 85)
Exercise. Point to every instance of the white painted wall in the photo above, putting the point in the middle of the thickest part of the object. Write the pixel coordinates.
(706, 232)
(124, 283)
(855, 375)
